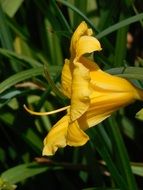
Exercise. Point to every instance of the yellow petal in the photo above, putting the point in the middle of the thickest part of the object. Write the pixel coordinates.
(101, 80)
(103, 104)
(82, 29)
(80, 91)
(76, 136)
(56, 138)
(105, 81)
(95, 119)
(66, 79)
(86, 44)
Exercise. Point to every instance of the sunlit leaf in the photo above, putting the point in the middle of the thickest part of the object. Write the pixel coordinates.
(23, 171)
(11, 7)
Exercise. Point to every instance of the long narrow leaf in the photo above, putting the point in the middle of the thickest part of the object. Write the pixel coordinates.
(120, 25)
(14, 56)
(23, 75)
(23, 171)
(128, 72)
(101, 148)
(123, 162)
(11, 7)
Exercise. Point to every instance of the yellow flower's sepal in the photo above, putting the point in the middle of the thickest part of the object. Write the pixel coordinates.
(64, 133)
(75, 135)
(56, 138)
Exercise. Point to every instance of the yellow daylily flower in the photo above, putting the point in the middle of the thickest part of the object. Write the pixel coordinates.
(94, 94)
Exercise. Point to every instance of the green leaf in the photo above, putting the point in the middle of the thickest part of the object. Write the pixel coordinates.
(7, 118)
(72, 7)
(137, 168)
(6, 37)
(5, 34)
(5, 185)
(52, 84)
(139, 115)
(101, 147)
(122, 159)
(121, 24)
(20, 58)
(11, 7)
(32, 139)
(128, 72)
(23, 171)
(128, 127)
(11, 94)
(23, 75)
(99, 188)
(121, 43)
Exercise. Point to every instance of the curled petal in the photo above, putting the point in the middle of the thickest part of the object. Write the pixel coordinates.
(56, 138)
(80, 91)
(82, 29)
(75, 135)
(87, 44)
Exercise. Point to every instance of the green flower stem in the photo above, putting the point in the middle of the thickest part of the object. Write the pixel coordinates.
(102, 149)
(121, 43)
(123, 162)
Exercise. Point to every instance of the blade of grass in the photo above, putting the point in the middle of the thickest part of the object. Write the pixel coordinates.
(11, 7)
(6, 38)
(20, 58)
(61, 17)
(5, 35)
(54, 46)
(52, 84)
(94, 188)
(128, 72)
(23, 75)
(121, 44)
(82, 7)
(91, 24)
(137, 168)
(93, 165)
(121, 154)
(121, 24)
(22, 172)
(33, 140)
(17, 29)
(102, 150)
(106, 15)
(79, 13)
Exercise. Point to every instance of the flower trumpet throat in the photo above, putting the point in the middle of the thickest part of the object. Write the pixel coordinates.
(94, 94)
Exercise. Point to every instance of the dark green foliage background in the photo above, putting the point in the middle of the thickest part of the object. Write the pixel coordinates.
(34, 41)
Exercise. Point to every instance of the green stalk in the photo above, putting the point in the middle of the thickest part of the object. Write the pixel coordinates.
(102, 149)
(6, 38)
(122, 156)
(121, 44)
